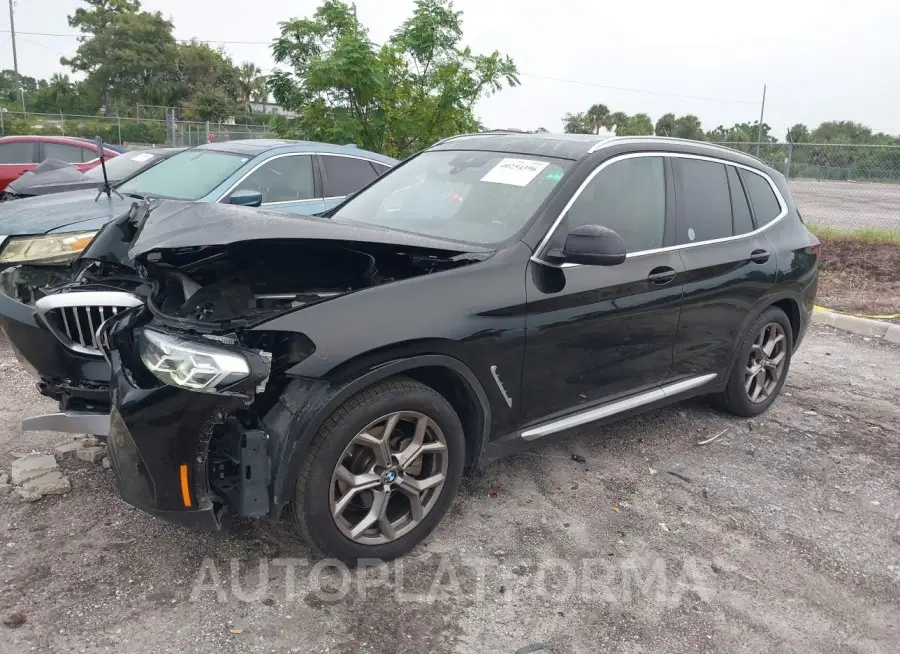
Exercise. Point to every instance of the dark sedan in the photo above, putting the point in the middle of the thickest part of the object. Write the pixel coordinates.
(55, 176)
(352, 367)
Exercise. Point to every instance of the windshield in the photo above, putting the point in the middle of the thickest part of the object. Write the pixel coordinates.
(188, 175)
(125, 165)
(470, 196)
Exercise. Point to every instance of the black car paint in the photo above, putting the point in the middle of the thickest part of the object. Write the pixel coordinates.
(514, 342)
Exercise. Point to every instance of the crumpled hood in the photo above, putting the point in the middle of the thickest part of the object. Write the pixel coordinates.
(185, 224)
(51, 213)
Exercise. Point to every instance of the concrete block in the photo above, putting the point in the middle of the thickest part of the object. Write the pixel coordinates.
(31, 466)
(52, 483)
(92, 454)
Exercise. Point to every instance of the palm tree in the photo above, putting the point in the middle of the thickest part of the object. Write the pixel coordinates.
(597, 117)
(249, 76)
(260, 90)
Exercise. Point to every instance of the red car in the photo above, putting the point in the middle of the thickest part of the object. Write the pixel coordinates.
(19, 154)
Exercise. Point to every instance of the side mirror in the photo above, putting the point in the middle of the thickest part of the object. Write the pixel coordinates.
(246, 198)
(591, 245)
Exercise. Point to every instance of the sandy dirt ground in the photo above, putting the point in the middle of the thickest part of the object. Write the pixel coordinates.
(782, 534)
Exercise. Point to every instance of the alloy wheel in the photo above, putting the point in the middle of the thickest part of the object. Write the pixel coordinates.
(765, 365)
(388, 478)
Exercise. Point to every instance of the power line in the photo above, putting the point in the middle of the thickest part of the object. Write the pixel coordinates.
(532, 75)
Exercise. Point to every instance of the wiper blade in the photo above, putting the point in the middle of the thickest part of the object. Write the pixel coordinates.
(136, 196)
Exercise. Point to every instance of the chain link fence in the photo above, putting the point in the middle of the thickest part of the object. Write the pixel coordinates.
(843, 186)
(129, 131)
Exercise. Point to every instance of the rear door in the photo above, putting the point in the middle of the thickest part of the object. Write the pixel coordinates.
(343, 175)
(16, 157)
(729, 265)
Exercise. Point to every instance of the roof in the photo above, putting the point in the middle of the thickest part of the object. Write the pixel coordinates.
(256, 147)
(574, 146)
(59, 138)
(564, 146)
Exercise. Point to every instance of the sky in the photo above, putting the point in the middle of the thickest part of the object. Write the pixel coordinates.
(820, 60)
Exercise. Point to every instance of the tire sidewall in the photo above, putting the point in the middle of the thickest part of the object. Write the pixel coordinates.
(738, 399)
(322, 528)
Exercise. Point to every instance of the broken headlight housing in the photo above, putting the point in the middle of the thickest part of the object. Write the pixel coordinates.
(188, 364)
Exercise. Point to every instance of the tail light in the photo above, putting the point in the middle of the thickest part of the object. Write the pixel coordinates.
(816, 249)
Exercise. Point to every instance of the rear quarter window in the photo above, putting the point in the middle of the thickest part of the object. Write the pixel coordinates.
(704, 201)
(762, 198)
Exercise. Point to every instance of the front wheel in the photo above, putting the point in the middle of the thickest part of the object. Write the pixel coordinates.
(380, 473)
(764, 358)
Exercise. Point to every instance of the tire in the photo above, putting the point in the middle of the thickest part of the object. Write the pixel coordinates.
(319, 480)
(737, 397)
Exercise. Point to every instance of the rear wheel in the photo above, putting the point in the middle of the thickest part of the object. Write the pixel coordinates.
(380, 473)
(761, 367)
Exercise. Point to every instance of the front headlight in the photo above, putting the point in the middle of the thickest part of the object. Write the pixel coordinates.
(188, 364)
(54, 249)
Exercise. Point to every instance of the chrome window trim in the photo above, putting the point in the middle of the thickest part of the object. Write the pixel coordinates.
(671, 248)
(293, 154)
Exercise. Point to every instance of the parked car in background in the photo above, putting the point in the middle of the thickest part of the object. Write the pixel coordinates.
(20, 154)
(352, 366)
(55, 176)
(43, 235)
(293, 176)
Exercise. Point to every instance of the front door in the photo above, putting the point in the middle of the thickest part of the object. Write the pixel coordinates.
(596, 333)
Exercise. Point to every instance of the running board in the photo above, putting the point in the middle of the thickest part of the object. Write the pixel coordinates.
(70, 422)
(619, 406)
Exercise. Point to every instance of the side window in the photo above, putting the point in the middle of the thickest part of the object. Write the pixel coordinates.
(740, 208)
(283, 179)
(628, 197)
(19, 152)
(344, 175)
(704, 203)
(67, 153)
(381, 169)
(762, 198)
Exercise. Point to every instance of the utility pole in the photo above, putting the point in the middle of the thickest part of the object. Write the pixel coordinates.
(12, 33)
(762, 111)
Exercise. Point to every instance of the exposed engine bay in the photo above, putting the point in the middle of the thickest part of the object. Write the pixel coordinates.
(237, 285)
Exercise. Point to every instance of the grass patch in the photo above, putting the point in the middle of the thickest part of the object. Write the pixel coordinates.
(863, 235)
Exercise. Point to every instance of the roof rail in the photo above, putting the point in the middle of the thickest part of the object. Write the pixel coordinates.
(669, 139)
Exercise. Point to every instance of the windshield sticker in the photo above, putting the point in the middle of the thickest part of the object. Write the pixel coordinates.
(142, 157)
(555, 175)
(516, 172)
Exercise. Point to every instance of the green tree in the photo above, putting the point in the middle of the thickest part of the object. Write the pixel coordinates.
(665, 126)
(418, 87)
(636, 125)
(688, 127)
(251, 83)
(209, 103)
(617, 121)
(123, 51)
(576, 124)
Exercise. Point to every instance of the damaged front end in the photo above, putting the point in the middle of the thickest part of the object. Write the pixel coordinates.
(196, 377)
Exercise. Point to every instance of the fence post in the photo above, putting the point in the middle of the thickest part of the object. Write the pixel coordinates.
(63, 122)
(119, 121)
(787, 161)
(2, 126)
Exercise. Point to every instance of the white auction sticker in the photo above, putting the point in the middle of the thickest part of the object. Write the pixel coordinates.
(517, 172)
(142, 157)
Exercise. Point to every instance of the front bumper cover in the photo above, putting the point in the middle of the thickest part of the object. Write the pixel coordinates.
(160, 435)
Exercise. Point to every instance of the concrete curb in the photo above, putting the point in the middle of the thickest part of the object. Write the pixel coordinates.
(866, 326)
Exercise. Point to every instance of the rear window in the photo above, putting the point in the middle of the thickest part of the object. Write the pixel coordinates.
(740, 208)
(762, 198)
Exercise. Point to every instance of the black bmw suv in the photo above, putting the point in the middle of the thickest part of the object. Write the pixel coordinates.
(490, 292)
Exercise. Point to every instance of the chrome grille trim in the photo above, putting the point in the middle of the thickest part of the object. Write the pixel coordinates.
(75, 317)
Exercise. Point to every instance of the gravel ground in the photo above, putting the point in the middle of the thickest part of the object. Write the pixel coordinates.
(780, 535)
(848, 205)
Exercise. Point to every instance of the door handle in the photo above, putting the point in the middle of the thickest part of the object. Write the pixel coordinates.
(759, 256)
(661, 275)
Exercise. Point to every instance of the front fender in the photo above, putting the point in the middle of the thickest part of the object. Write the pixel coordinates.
(307, 403)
